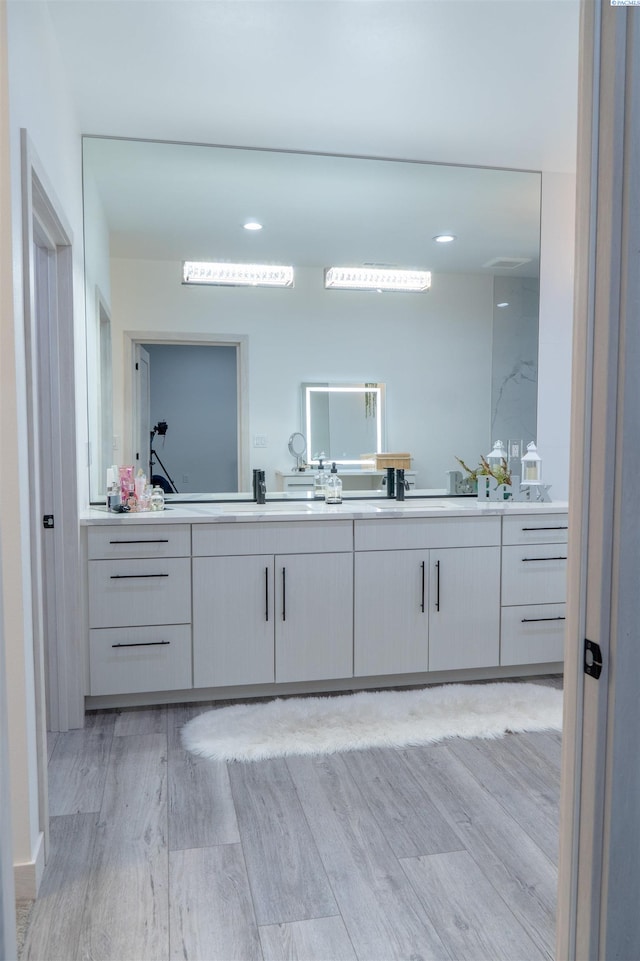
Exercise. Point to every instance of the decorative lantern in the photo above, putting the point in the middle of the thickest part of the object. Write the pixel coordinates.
(531, 466)
(497, 455)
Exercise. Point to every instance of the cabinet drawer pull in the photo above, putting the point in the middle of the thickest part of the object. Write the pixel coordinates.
(533, 620)
(561, 527)
(422, 589)
(126, 577)
(284, 593)
(266, 593)
(529, 560)
(437, 585)
(157, 540)
(143, 644)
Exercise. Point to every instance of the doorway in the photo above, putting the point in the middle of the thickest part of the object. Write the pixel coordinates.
(195, 388)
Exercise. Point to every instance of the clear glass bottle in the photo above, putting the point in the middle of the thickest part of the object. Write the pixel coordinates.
(333, 489)
(319, 482)
(157, 499)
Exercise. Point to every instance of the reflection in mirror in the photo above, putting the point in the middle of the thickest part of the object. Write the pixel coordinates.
(343, 423)
(298, 449)
(459, 371)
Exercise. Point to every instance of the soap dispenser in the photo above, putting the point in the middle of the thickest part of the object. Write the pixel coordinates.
(319, 480)
(333, 491)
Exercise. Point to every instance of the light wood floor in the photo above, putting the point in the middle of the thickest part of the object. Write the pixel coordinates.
(442, 852)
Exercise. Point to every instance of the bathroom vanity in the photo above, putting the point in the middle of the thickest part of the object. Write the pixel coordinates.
(230, 600)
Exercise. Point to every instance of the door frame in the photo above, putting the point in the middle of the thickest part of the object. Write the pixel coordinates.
(600, 802)
(62, 569)
(239, 341)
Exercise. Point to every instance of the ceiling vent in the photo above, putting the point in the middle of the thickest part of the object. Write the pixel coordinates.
(507, 263)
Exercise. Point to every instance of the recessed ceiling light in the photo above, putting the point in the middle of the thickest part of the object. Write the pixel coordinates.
(444, 238)
(503, 304)
(252, 225)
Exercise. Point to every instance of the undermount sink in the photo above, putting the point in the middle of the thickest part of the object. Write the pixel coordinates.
(268, 508)
(413, 505)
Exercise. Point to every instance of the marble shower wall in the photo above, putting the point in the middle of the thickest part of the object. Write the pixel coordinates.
(514, 381)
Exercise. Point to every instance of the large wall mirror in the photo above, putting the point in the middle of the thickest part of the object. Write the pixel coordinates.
(458, 361)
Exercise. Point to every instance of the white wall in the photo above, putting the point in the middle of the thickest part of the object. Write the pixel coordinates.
(433, 352)
(556, 329)
(7, 892)
(98, 289)
(39, 102)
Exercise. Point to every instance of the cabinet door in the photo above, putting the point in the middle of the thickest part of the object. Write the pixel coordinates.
(233, 620)
(464, 608)
(314, 616)
(391, 616)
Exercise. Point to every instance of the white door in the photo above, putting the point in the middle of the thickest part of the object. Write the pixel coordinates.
(233, 620)
(142, 410)
(464, 608)
(314, 616)
(391, 616)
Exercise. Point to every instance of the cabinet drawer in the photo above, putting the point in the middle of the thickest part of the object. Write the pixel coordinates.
(388, 534)
(128, 593)
(535, 529)
(536, 574)
(533, 634)
(131, 660)
(272, 537)
(139, 540)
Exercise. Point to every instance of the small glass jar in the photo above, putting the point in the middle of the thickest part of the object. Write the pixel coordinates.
(157, 499)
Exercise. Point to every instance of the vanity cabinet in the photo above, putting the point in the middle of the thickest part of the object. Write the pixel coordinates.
(272, 602)
(534, 572)
(253, 604)
(427, 594)
(139, 608)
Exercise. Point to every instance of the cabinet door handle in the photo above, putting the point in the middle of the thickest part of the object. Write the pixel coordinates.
(284, 593)
(532, 620)
(266, 593)
(437, 585)
(562, 527)
(157, 540)
(126, 577)
(529, 560)
(143, 644)
(422, 587)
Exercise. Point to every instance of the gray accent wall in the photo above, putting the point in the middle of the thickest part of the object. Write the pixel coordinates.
(194, 388)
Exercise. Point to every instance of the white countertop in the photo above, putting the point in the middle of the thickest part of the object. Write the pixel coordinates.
(310, 510)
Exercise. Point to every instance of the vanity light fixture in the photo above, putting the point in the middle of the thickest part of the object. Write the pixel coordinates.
(252, 225)
(444, 238)
(503, 304)
(237, 275)
(377, 278)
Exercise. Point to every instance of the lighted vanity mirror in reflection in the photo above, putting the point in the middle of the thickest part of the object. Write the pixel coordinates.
(459, 372)
(343, 422)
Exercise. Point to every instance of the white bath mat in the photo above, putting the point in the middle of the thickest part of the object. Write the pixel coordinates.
(325, 725)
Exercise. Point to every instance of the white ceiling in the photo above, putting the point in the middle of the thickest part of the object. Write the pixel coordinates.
(487, 82)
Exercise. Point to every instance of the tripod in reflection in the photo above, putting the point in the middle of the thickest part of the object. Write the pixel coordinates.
(164, 481)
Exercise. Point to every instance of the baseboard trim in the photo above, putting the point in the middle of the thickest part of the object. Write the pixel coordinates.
(28, 875)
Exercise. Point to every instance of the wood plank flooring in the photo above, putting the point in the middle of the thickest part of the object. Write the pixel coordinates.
(442, 852)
